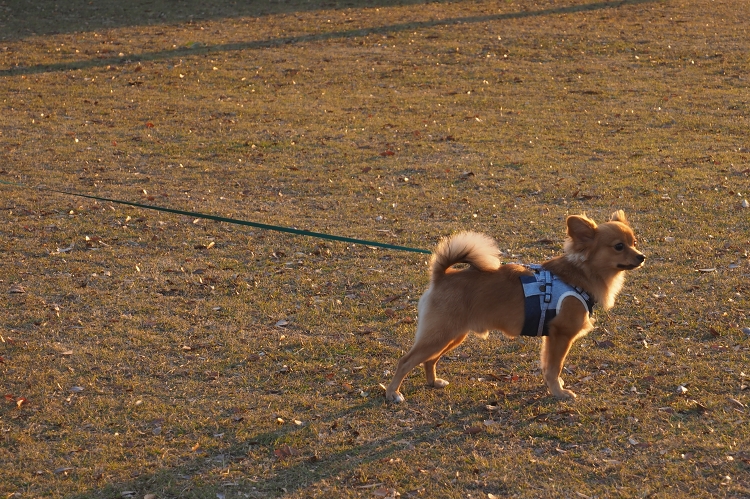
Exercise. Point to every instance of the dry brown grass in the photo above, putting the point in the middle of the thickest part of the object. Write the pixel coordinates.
(138, 360)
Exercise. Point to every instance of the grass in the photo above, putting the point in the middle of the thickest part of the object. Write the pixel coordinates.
(141, 360)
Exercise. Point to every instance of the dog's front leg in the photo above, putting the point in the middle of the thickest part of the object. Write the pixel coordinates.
(571, 323)
(555, 348)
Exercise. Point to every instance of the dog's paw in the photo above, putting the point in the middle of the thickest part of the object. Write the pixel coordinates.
(565, 395)
(439, 383)
(395, 398)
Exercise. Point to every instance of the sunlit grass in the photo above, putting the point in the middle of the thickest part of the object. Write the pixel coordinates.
(138, 360)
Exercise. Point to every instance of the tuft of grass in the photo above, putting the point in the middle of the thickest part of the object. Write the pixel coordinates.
(146, 354)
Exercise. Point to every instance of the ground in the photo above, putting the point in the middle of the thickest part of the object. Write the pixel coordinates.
(151, 354)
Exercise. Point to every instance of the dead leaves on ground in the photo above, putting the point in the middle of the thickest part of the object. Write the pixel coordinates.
(18, 401)
(285, 452)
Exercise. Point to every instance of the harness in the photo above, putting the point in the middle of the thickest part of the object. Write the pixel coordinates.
(544, 293)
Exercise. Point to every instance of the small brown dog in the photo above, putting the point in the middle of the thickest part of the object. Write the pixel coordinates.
(488, 295)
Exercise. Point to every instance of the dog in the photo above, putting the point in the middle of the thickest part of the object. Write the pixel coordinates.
(488, 295)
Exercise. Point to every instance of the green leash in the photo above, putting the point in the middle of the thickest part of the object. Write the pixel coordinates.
(235, 221)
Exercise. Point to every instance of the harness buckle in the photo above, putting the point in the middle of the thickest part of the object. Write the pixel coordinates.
(547, 286)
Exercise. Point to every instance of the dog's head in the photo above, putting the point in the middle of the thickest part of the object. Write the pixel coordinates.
(607, 248)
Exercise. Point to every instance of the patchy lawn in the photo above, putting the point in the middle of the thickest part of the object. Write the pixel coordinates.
(151, 355)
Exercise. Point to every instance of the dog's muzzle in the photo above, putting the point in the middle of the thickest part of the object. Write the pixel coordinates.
(640, 258)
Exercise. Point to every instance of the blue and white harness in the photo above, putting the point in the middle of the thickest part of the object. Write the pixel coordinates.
(544, 293)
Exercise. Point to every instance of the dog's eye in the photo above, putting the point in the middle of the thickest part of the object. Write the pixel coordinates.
(619, 247)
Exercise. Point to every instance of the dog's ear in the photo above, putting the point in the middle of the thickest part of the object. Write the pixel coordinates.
(619, 216)
(581, 229)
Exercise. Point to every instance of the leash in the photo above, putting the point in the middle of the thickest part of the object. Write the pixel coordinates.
(234, 221)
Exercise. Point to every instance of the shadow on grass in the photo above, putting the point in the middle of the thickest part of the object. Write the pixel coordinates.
(258, 44)
(20, 19)
(307, 469)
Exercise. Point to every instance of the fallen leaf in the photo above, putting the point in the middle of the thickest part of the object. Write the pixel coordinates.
(369, 486)
(20, 401)
(736, 402)
(282, 323)
(17, 289)
(62, 470)
(681, 390)
(76, 389)
(473, 430)
(285, 452)
(68, 249)
(387, 152)
(386, 493)
(604, 344)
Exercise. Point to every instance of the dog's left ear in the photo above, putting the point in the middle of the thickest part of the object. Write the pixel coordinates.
(581, 228)
(619, 216)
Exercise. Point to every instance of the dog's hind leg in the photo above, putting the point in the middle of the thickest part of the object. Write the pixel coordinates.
(429, 365)
(427, 349)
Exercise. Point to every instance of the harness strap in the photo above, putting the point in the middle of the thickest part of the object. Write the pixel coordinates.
(544, 300)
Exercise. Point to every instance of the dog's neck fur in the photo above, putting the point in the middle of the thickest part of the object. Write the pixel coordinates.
(571, 269)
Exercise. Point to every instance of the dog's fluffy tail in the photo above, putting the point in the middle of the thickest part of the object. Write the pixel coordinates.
(476, 249)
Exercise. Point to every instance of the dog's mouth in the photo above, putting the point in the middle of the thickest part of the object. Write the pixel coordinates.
(640, 258)
(628, 266)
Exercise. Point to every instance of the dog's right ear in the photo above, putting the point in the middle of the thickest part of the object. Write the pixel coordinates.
(581, 229)
(619, 216)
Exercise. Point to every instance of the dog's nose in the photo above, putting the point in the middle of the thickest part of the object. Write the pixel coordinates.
(641, 258)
